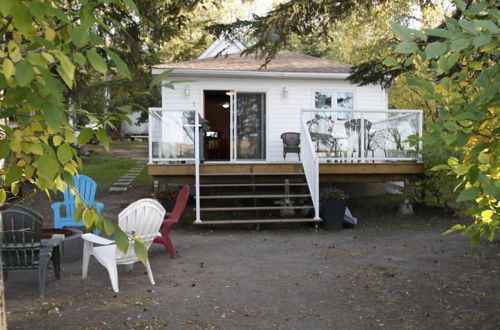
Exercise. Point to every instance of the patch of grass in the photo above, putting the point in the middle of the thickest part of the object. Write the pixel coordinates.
(143, 177)
(106, 169)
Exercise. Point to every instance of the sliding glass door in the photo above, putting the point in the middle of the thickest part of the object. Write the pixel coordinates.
(249, 126)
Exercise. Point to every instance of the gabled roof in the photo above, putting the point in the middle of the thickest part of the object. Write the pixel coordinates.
(223, 46)
(286, 62)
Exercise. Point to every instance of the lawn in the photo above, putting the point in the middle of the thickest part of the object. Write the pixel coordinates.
(106, 167)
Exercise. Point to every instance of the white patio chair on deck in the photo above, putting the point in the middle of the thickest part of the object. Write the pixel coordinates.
(144, 218)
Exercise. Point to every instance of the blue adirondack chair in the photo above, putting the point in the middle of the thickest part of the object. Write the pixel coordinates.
(86, 187)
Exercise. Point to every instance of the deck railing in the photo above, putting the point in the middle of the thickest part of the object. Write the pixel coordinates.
(310, 163)
(365, 135)
(173, 137)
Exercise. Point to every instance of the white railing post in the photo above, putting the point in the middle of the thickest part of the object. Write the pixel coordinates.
(316, 202)
(420, 134)
(197, 164)
(362, 132)
(150, 136)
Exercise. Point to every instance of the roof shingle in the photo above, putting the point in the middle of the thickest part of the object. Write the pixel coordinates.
(283, 62)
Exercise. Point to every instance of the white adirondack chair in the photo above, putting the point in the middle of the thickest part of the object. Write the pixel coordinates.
(143, 217)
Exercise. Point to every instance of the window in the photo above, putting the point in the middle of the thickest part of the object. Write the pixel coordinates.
(323, 100)
(344, 100)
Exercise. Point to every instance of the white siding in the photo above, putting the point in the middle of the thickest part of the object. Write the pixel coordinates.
(282, 113)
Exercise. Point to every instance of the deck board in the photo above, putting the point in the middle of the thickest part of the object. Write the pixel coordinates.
(346, 172)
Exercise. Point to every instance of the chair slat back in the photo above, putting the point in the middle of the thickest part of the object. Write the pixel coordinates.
(180, 204)
(144, 218)
(85, 186)
(21, 238)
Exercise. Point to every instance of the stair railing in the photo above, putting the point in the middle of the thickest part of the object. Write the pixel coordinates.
(197, 165)
(310, 163)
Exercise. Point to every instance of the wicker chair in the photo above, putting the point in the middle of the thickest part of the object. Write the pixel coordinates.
(291, 143)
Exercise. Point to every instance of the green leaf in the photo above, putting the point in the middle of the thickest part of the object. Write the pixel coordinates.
(454, 229)
(47, 166)
(459, 44)
(3, 195)
(488, 25)
(121, 66)
(390, 61)
(80, 36)
(65, 153)
(460, 5)
(21, 17)
(4, 148)
(476, 9)
(158, 78)
(89, 217)
(449, 138)
(435, 49)
(442, 33)
(54, 114)
(109, 228)
(121, 239)
(468, 26)
(78, 214)
(125, 108)
(451, 60)
(99, 222)
(483, 158)
(440, 168)
(24, 73)
(468, 194)
(66, 69)
(80, 59)
(450, 125)
(140, 251)
(406, 47)
(14, 189)
(401, 31)
(97, 61)
(85, 136)
(103, 137)
(481, 41)
(492, 191)
(14, 173)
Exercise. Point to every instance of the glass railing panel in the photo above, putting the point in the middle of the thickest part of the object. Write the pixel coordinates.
(391, 133)
(172, 134)
(364, 136)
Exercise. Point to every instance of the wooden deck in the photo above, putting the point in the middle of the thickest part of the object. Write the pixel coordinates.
(330, 172)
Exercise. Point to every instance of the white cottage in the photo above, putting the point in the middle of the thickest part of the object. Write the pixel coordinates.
(346, 131)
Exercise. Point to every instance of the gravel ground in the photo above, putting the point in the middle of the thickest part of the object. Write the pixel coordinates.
(390, 272)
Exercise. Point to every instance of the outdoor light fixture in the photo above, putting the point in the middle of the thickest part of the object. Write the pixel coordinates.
(285, 91)
(187, 90)
(225, 105)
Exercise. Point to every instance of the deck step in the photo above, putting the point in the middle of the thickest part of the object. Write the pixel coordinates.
(256, 208)
(251, 173)
(255, 196)
(209, 185)
(251, 221)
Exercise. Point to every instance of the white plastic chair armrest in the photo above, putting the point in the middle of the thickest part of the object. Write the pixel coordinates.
(97, 239)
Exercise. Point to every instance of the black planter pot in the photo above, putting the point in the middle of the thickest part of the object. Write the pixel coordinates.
(332, 212)
(168, 204)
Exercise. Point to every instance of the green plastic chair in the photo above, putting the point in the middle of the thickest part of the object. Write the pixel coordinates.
(22, 246)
